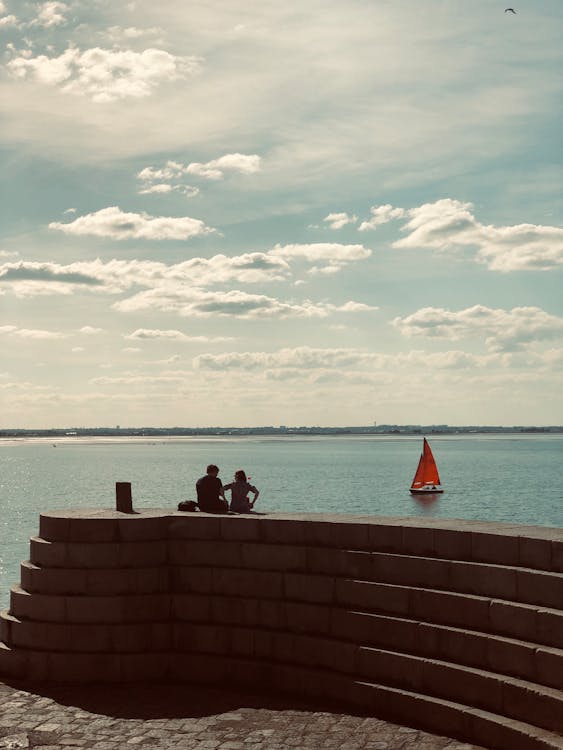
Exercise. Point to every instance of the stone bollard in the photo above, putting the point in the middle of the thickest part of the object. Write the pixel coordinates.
(123, 499)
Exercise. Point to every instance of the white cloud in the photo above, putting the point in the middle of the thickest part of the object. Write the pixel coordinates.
(339, 220)
(9, 20)
(90, 330)
(199, 303)
(504, 330)
(77, 349)
(338, 361)
(216, 168)
(51, 14)
(30, 333)
(170, 177)
(450, 223)
(119, 225)
(105, 75)
(189, 191)
(381, 215)
(171, 335)
(28, 278)
(334, 256)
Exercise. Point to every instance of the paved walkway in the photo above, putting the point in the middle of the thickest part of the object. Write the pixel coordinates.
(183, 717)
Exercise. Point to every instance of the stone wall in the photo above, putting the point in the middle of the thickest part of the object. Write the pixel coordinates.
(455, 627)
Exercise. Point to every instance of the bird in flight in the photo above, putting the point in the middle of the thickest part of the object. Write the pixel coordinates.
(510, 10)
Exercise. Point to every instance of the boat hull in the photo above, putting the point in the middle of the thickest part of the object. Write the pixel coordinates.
(427, 491)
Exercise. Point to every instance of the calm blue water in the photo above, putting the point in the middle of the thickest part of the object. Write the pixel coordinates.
(509, 478)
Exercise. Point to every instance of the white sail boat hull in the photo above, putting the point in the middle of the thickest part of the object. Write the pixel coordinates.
(427, 489)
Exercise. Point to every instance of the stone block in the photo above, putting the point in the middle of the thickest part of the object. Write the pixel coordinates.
(462, 685)
(12, 662)
(143, 528)
(307, 588)
(54, 580)
(359, 565)
(190, 607)
(143, 554)
(194, 526)
(252, 583)
(410, 571)
(83, 668)
(489, 730)
(109, 582)
(272, 557)
(460, 646)
(234, 611)
(240, 642)
(389, 668)
(36, 667)
(483, 580)
(452, 544)
(131, 637)
(6, 620)
(146, 667)
(349, 535)
(542, 588)
(540, 707)
(550, 627)
(548, 664)
(271, 645)
(425, 712)
(41, 607)
(508, 656)
(318, 534)
(46, 553)
(450, 608)
(514, 620)
(97, 609)
(385, 538)
(373, 597)
(534, 553)
(93, 530)
(326, 561)
(283, 531)
(266, 613)
(206, 639)
(103, 555)
(81, 637)
(240, 529)
(418, 540)
(146, 608)
(54, 528)
(501, 549)
(374, 630)
(557, 556)
(307, 618)
(315, 652)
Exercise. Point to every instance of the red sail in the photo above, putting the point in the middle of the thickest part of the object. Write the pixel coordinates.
(427, 471)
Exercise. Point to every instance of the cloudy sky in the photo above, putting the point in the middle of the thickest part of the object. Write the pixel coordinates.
(256, 212)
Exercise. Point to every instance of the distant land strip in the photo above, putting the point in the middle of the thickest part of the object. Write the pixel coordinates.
(281, 430)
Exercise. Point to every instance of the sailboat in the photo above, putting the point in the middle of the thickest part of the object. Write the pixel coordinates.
(426, 480)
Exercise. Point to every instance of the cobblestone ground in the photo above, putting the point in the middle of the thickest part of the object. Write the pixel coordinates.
(187, 717)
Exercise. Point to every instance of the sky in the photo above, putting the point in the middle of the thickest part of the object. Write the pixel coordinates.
(263, 213)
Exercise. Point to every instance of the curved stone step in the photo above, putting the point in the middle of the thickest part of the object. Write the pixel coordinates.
(521, 659)
(88, 555)
(428, 712)
(499, 693)
(94, 581)
(528, 622)
(85, 637)
(484, 579)
(89, 609)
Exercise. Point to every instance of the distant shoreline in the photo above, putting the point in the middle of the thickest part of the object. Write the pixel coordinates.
(163, 438)
(282, 431)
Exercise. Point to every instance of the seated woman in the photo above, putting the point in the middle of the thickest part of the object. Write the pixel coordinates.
(239, 493)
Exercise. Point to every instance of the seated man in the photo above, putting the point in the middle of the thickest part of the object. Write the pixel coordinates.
(210, 493)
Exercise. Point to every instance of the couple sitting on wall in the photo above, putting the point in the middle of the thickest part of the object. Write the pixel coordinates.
(211, 493)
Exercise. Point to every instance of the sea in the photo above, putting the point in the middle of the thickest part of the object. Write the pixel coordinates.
(516, 478)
